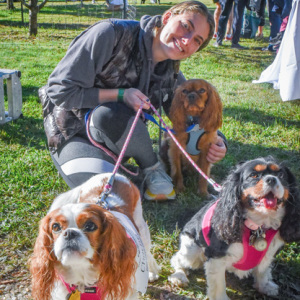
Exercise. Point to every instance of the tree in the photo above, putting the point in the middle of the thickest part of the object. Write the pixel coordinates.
(34, 9)
(10, 4)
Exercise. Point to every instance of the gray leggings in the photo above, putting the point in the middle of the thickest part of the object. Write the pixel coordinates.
(78, 160)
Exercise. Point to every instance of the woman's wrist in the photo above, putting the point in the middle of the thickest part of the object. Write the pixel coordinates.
(120, 97)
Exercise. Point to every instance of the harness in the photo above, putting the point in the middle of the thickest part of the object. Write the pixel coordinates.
(194, 135)
(251, 257)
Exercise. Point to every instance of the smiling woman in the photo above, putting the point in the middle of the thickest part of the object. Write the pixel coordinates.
(184, 32)
(110, 69)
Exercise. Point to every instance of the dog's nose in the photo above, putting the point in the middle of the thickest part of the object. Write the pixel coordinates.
(191, 97)
(70, 234)
(271, 180)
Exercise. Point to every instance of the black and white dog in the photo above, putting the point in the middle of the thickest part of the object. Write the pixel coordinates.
(258, 211)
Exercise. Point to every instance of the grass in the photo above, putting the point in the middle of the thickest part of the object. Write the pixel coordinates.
(256, 123)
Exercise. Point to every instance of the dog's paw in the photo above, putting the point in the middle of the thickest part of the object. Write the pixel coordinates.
(153, 276)
(154, 270)
(270, 288)
(178, 278)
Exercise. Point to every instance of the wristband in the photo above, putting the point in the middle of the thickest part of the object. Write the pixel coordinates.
(120, 97)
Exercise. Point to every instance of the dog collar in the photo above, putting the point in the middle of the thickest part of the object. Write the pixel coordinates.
(251, 257)
(90, 293)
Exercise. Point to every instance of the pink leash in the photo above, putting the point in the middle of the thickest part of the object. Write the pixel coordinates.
(216, 186)
(108, 186)
(108, 152)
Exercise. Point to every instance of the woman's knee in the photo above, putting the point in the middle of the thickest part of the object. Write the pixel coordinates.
(111, 119)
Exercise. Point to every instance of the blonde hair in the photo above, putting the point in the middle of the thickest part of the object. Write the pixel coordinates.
(197, 8)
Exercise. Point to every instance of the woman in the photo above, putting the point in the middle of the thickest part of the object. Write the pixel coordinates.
(119, 64)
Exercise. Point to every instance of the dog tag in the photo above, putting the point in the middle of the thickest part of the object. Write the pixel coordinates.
(75, 295)
(260, 244)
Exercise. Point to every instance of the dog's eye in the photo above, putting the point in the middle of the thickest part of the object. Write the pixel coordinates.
(253, 175)
(56, 227)
(185, 91)
(280, 174)
(201, 91)
(89, 226)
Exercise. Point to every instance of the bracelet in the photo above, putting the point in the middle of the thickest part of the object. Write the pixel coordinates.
(120, 97)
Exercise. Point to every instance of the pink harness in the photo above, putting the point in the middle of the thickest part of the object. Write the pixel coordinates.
(251, 257)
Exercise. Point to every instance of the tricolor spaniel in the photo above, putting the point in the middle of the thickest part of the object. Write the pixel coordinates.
(257, 212)
(84, 250)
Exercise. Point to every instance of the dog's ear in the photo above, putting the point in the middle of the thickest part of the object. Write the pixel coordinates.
(177, 112)
(290, 227)
(228, 218)
(211, 118)
(42, 262)
(116, 259)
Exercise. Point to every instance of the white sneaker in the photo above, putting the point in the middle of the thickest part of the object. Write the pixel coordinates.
(159, 184)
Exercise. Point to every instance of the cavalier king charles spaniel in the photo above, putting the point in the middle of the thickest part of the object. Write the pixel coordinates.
(196, 114)
(258, 211)
(87, 251)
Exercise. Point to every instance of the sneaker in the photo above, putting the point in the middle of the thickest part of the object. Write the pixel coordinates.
(159, 184)
(238, 46)
(259, 36)
(228, 37)
(277, 39)
(216, 44)
(269, 48)
(215, 36)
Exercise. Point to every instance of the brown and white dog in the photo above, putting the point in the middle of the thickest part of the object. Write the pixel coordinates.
(84, 248)
(196, 114)
(258, 211)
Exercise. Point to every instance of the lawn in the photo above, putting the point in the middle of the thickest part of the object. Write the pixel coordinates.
(256, 123)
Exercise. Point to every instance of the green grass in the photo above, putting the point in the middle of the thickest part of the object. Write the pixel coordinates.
(256, 123)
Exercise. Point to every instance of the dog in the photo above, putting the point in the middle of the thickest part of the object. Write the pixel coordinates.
(92, 250)
(196, 114)
(257, 212)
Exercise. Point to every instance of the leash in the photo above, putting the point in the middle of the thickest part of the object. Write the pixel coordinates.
(150, 118)
(108, 187)
(215, 185)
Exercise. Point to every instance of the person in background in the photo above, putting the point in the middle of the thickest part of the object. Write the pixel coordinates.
(275, 22)
(110, 69)
(217, 13)
(239, 7)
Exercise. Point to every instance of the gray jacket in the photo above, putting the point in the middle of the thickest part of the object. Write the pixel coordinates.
(110, 54)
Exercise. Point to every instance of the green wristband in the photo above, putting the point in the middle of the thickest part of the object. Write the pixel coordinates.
(120, 95)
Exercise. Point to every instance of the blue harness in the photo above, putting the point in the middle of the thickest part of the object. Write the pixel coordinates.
(194, 133)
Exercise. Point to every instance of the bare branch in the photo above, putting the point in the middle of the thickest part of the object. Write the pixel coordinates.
(26, 4)
(42, 4)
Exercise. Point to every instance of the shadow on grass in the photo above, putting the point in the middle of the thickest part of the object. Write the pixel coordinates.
(25, 131)
(76, 11)
(245, 115)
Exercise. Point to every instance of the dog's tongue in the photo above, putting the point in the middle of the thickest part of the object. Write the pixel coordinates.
(269, 201)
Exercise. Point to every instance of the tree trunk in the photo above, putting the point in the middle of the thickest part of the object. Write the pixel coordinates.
(10, 4)
(33, 24)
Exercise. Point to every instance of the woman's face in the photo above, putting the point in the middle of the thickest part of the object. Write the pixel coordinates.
(181, 36)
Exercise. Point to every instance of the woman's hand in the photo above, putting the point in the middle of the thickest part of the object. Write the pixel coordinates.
(133, 97)
(216, 151)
